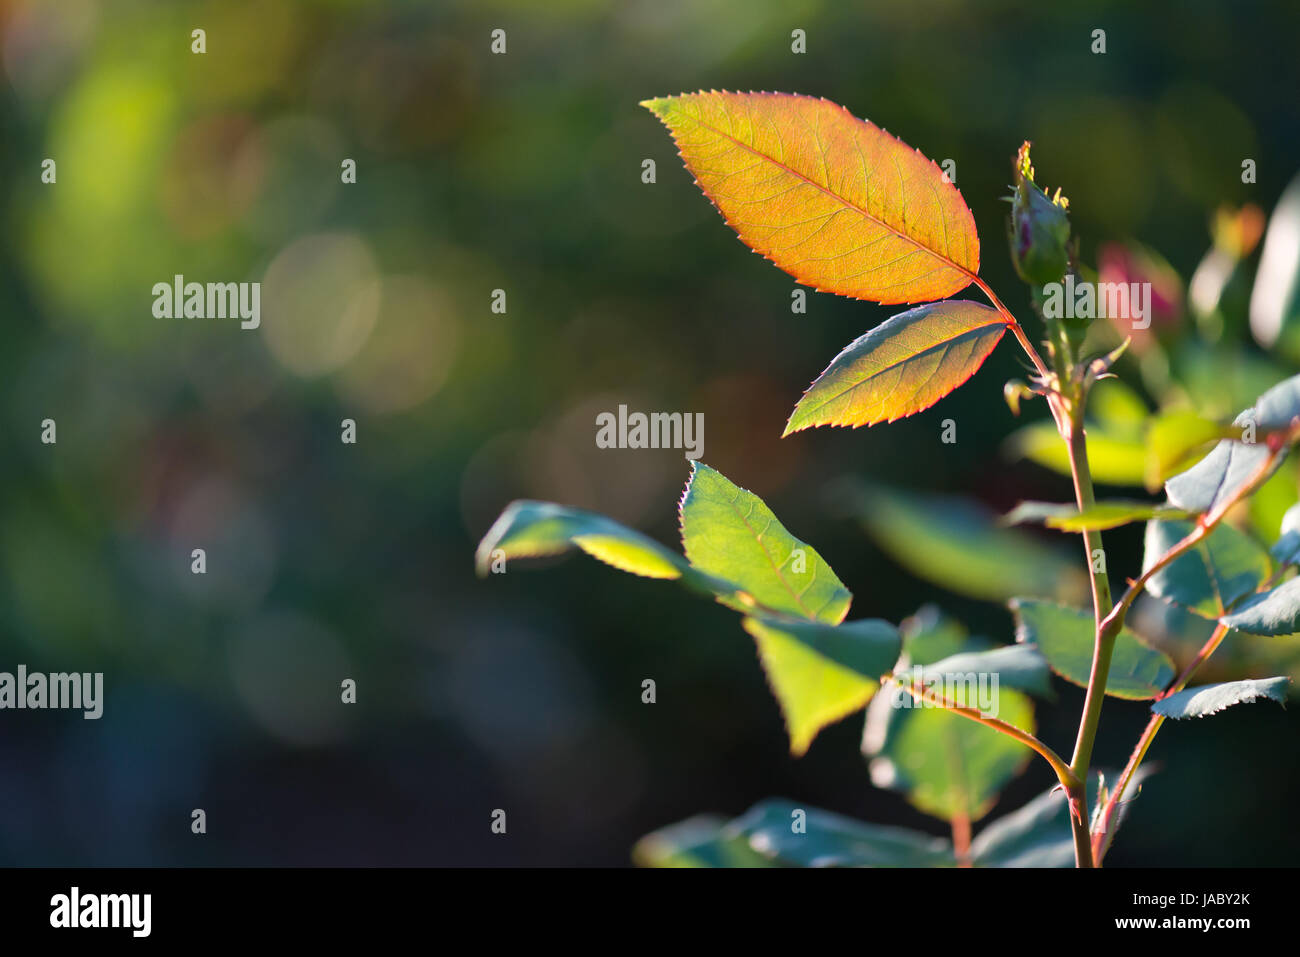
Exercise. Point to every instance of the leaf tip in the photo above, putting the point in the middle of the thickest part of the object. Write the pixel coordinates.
(658, 105)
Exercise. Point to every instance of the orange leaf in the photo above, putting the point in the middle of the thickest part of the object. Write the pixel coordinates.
(904, 365)
(835, 201)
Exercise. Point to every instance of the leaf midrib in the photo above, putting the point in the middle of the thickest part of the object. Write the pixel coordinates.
(944, 343)
(842, 200)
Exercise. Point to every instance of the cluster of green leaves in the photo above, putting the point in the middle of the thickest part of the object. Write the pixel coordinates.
(821, 668)
(846, 208)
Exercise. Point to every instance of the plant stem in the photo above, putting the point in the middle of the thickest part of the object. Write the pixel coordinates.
(1104, 643)
(1069, 421)
(1085, 498)
(1078, 797)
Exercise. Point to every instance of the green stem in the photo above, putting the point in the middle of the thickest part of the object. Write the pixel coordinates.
(1069, 420)
(1105, 638)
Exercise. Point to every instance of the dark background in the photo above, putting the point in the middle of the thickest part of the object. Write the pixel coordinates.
(520, 172)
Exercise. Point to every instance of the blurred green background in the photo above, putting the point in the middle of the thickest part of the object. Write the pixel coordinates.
(520, 172)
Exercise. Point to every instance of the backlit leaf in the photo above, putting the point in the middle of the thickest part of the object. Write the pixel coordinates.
(835, 201)
(1173, 439)
(1275, 612)
(820, 673)
(1066, 637)
(528, 529)
(1114, 459)
(904, 365)
(1222, 568)
(1116, 445)
(730, 533)
(1211, 699)
(1100, 516)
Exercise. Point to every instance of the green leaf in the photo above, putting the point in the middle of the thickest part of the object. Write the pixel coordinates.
(904, 365)
(529, 529)
(1174, 438)
(800, 836)
(1217, 477)
(1211, 699)
(1066, 637)
(1222, 568)
(960, 545)
(945, 764)
(1101, 516)
(1275, 612)
(820, 673)
(700, 841)
(1018, 667)
(1114, 459)
(729, 533)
